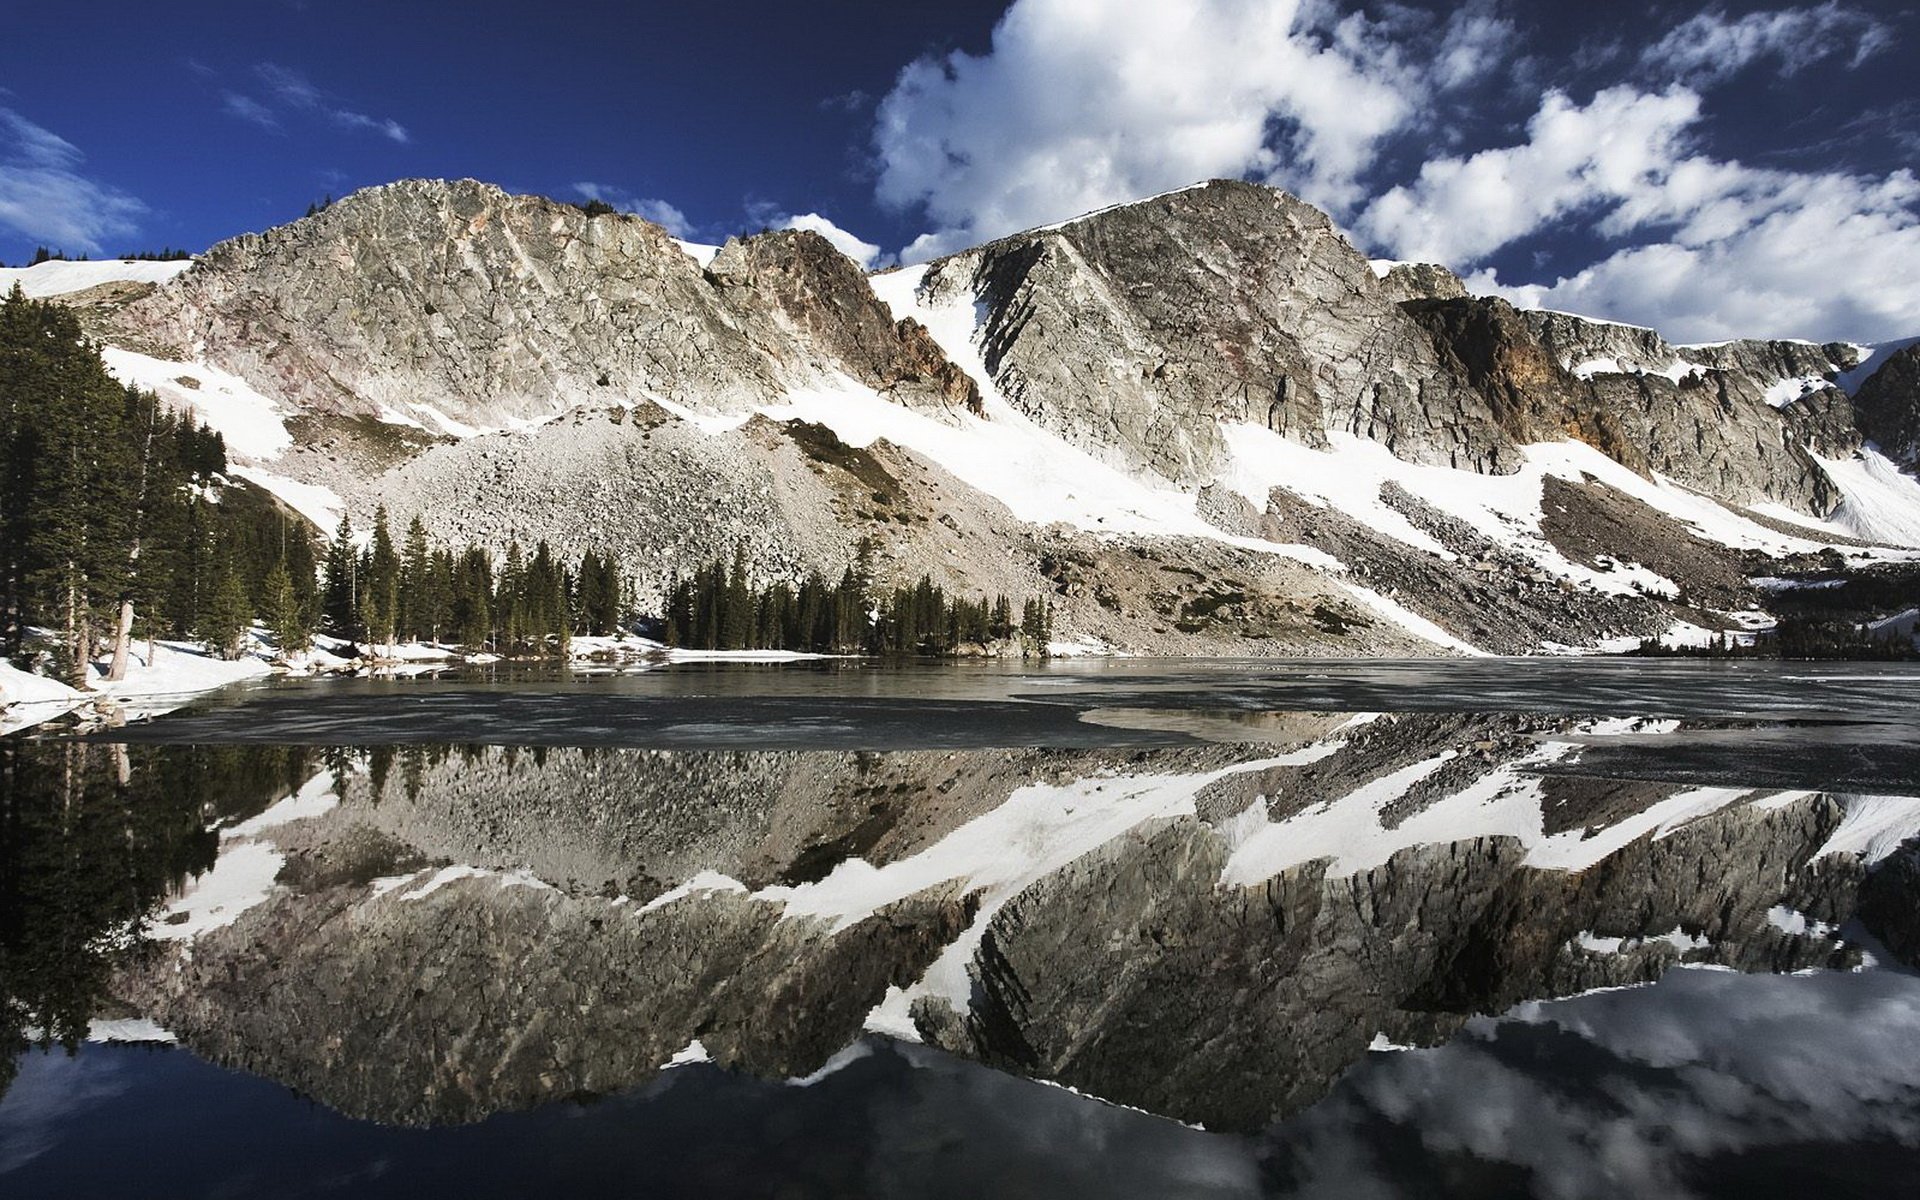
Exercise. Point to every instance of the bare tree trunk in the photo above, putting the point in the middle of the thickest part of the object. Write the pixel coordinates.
(122, 632)
(76, 631)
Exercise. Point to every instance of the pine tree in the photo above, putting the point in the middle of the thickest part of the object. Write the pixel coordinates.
(227, 613)
(286, 615)
(472, 598)
(341, 591)
(414, 604)
(380, 590)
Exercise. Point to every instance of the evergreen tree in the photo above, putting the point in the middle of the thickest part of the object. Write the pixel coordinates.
(66, 461)
(415, 603)
(286, 615)
(472, 603)
(227, 613)
(380, 588)
(341, 591)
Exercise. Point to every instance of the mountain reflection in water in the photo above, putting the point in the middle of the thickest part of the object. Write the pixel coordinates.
(1215, 912)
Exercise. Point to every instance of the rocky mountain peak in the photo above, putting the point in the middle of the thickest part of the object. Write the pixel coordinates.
(824, 297)
(453, 304)
(1133, 332)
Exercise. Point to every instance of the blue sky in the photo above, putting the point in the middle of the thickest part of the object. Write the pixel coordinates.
(1734, 169)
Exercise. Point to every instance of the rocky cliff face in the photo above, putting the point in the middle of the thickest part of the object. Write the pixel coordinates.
(1888, 404)
(1699, 415)
(1135, 331)
(427, 297)
(822, 296)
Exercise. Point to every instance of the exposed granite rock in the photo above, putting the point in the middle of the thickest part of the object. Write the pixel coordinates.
(1888, 406)
(1711, 429)
(1133, 331)
(1422, 281)
(490, 308)
(821, 293)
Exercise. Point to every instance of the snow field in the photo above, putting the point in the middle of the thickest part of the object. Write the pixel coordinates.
(61, 278)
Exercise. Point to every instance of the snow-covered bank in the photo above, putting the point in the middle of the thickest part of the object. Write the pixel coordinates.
(160, 675)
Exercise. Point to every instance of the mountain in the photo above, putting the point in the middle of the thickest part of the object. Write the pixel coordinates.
(1198, 423)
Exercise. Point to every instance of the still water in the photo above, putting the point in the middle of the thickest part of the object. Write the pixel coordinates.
(1121, 929)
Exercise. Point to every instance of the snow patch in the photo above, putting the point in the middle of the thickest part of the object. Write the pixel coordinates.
(706, 883)
(1874, 826)
(128, 1029)
(58, 278)
(440, 879)
(1786, 391)
(693, 1053)
(1350, 474)
(316, 797)
(698, 252)
(1872, 358)
(1794, 923)
(253, 425)
(1679, 939)
(239, 879)
(1879, 502)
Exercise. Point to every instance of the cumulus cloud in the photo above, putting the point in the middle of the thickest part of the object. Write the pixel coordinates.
(659, 212)
(1828, 257)
(1711, 47)
(288, 91)
(863, 252)
(1621, 145)
(1084, 103)
(45, 196)
(1713, 248)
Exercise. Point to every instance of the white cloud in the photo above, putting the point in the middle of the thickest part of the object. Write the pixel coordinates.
(1083, 103)
(290, 91)
(1460, 209)
(1829, 257)
(1723, 249)
(862, 252)
(44, 196)
(1711, 47)
(659, 212)
(248, 109)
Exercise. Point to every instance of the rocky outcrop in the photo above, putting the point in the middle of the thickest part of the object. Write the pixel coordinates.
(1422, 281)
(1699, 415)
(1135, 331)
(426, 297)
(823, 296)
(1887, 404)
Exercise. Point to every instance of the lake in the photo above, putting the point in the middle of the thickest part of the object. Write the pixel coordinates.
(1104, 928)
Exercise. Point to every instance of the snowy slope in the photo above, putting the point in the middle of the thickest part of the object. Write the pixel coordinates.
(61, 278)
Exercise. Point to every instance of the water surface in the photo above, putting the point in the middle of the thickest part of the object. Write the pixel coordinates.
(1113, 929)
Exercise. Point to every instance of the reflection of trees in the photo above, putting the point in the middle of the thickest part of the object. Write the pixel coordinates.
(92, 836)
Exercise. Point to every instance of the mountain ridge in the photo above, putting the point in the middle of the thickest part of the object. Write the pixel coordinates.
(1209, 365)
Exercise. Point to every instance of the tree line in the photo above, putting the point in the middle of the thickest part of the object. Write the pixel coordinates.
(43, 254)
(719, 607)
(382, 593)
